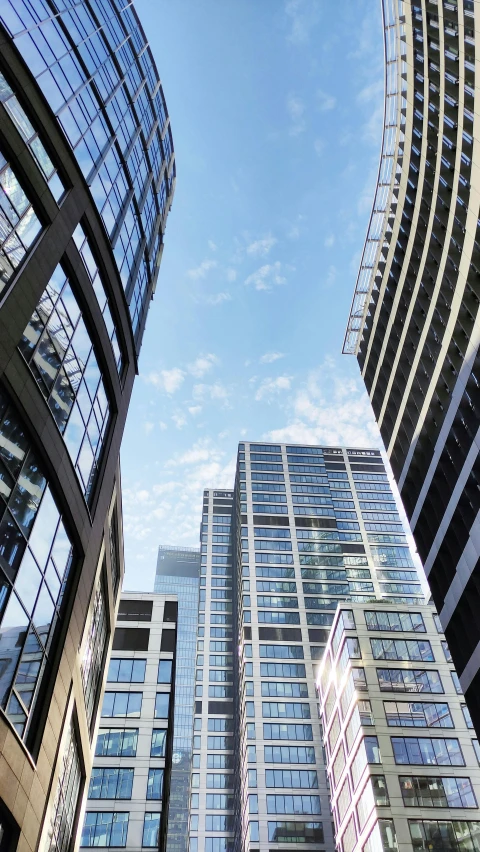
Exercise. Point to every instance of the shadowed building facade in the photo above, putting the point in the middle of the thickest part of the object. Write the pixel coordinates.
(87, 176)
(414, 324)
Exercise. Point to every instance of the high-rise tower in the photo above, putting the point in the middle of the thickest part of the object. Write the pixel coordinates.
(304, 528)
(414, 324)
(87, 175)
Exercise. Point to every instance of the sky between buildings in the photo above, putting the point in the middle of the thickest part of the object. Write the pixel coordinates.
(276, 109)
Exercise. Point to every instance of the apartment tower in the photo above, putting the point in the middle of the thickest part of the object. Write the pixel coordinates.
(414, 323)
(402, 762)
(304, 529)
(87, 176)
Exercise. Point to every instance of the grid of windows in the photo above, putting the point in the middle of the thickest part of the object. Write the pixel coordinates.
(66, 798)
(110, 783)
(103, 828)
(19, 223)
(95, 649)
(57, 345)
(437, 792)
(36, 556)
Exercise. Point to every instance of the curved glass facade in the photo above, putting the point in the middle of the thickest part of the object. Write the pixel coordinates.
(35, 559)
(95, 69)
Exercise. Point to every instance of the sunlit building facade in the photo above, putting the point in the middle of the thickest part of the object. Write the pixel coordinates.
(414, 324)
(129, 792)
(87, 175)
(402, 756)
(304, 529)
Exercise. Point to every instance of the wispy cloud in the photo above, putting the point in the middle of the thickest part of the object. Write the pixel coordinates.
(201, 270)
(166, 380)
(319, 146)
(202, 365)
(302, 17)
(331, 277)
(329, 241)
(194, 410)
(211, 391)
(326, 102)
(266, 277)
(330, 407)
(180, 420)
(261, 247)
(218, 298)
(212, 246)
(270, 357)
(296, 111)
(231, 275)
(271, 387)
(148, 426)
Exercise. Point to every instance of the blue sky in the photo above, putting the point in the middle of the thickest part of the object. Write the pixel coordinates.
(276, 109)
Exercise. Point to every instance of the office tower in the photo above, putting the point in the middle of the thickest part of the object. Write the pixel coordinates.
(311, 527)
(414, 319)
(178, 572)
(128, 796)
(86, 180)
(402, 763)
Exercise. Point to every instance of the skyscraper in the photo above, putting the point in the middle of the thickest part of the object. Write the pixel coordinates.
(178, 573)
(402, 763)
(414, 319)
(87, 175)
(304, 528)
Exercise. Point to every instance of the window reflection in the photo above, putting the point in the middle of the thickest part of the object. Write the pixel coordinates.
(35, 560)
(19, 225)
(57, 346)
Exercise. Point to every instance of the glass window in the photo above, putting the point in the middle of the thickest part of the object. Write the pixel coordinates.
(122, 704)
(295, 832)
(428, 751)
(289, 754)
(66, 798)
(159, 742)
(116, 742)
(402, 649)
(105, 829)
(126, 671)
(446, 651)
(382, 838)
(293, 804)
(407, 680)
(444, 836)
(435, 792)
(57, 344)
(398, 621)
(374, 794)
(36, 556)
(20, 225)
(162, 704)
(110, 783)
(151, 830)
(466, 716)
(410, 714)
(165, 671)
(294, 778)
(155, 784)
(95, 650)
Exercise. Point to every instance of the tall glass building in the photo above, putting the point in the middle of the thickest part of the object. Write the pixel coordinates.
(178, 573)
(87, 175)
(304, 529)
(414, 324)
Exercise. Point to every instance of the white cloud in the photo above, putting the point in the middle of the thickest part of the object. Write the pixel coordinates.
(266, 277)
(166, 380)
(194, 410)
(271, 387)
(261, 247)
(331, 277)
(148, 426)
(201, 271)
(218, 298)
(202, 365)
(296, 110)
(330, 407)
(213, 391)
(329, 241)
(270, 357)
(326, 102)
(319, 146)
(302, 16)
(231, 275)
(293, 233)
(180, 420)
(162, 426)
(212, 246)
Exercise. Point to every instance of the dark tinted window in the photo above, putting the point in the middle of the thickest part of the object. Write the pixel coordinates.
(170, 612)
(135, 610)
(131, 639)
(168, 640)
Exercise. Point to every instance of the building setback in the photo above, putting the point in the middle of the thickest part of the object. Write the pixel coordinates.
(87, 176)
(414, 324)
(129, 792)
(304, 529)
(402, 762)
(178, 572)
